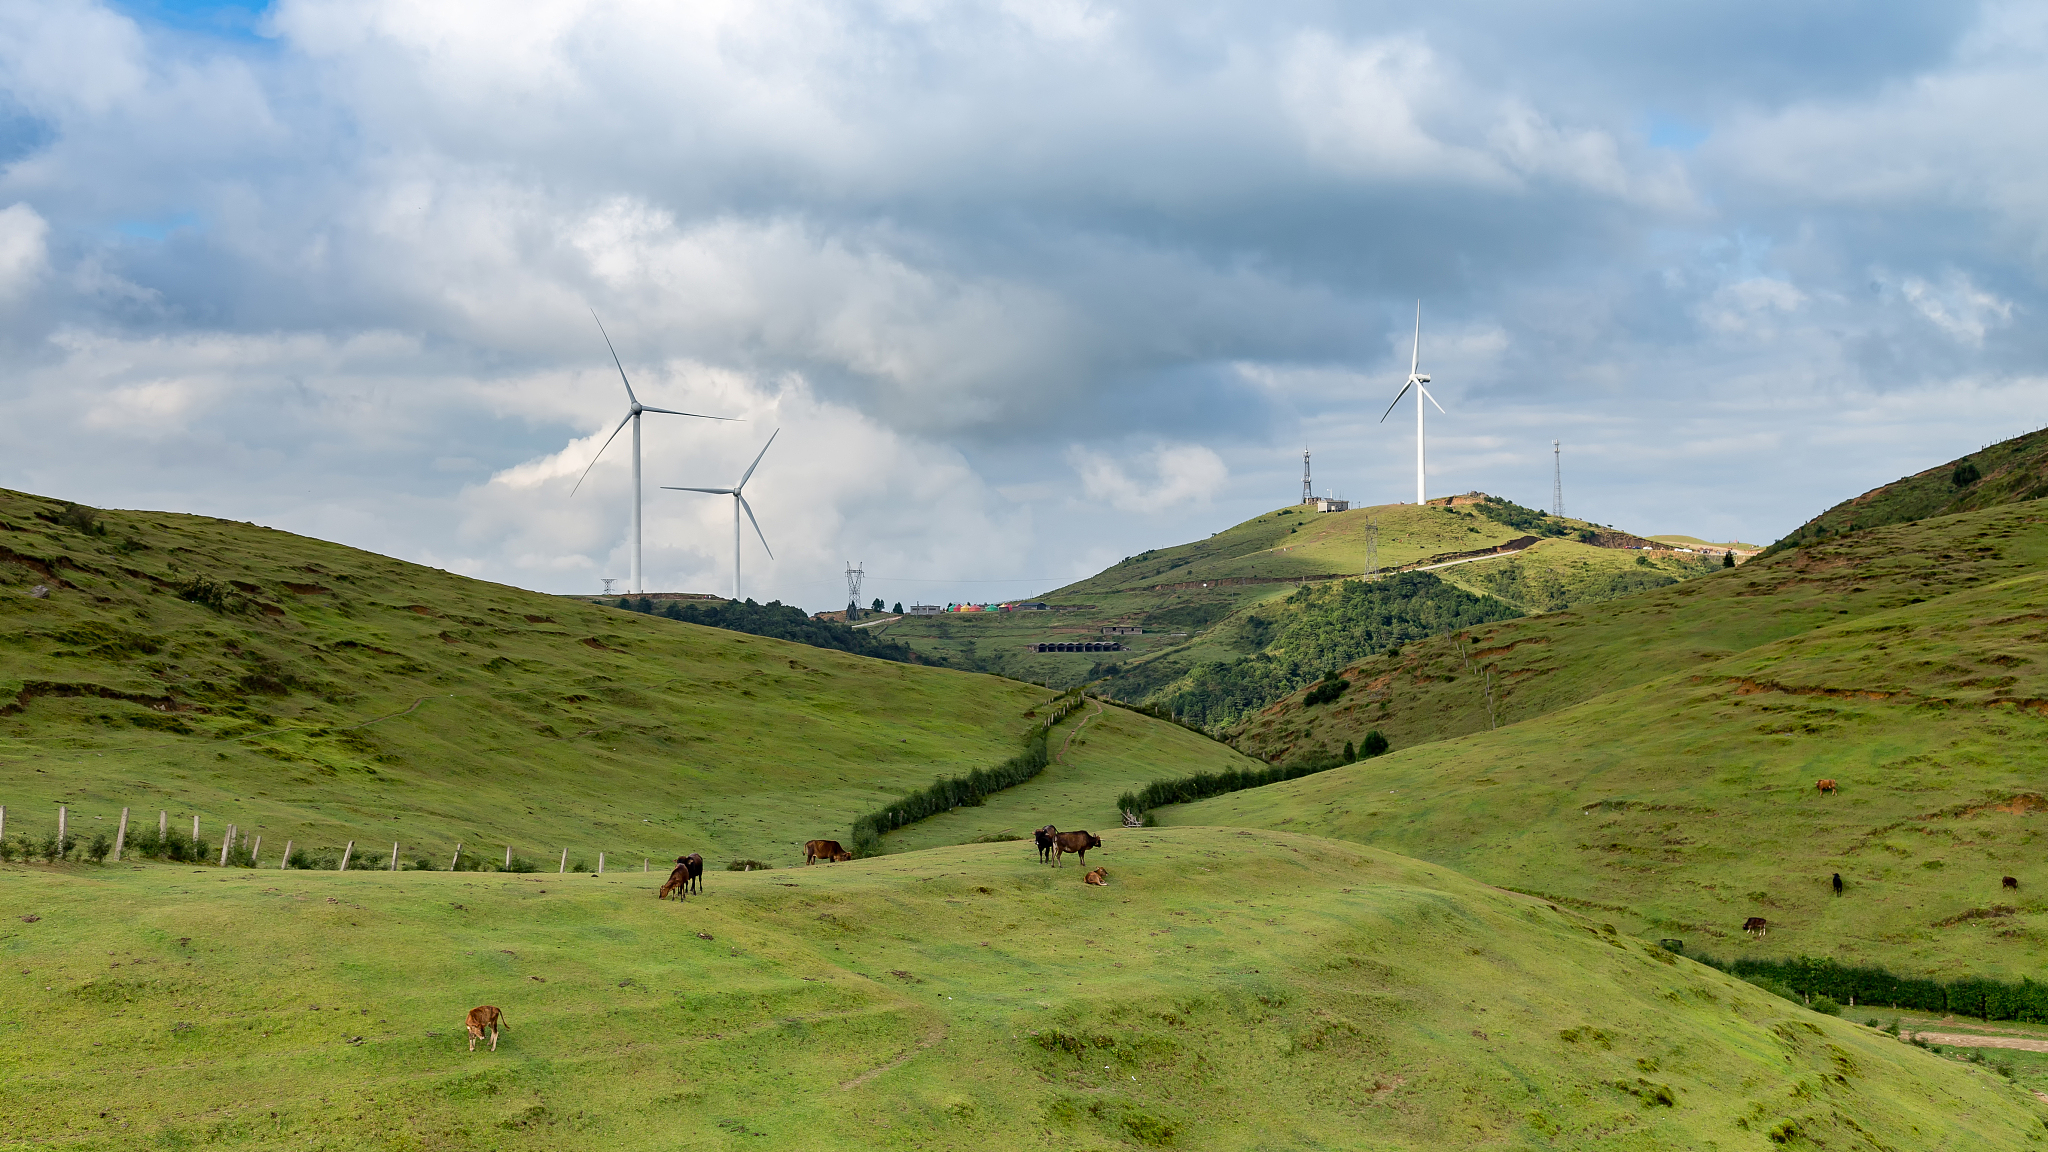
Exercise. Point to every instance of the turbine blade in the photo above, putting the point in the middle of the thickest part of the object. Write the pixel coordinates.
(757, 464)
(673, 412)
(1432, 400)
(615, 357)
(600, 451)
(755, 523)
(1397, 400)
(713, 491)
(1415, 354)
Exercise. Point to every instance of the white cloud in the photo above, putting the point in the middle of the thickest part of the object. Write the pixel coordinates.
(1167, 475)
(23, 249)
(1957, 307)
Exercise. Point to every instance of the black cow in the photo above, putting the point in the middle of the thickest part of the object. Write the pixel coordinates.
(1076, 843)
(1044, 837)
(1838, 883)
(695, 863)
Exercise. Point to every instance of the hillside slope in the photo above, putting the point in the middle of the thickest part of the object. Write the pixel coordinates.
(1682, 805)
(2008, 472)
(1223, 992)
(1539, 665)
(309, 692)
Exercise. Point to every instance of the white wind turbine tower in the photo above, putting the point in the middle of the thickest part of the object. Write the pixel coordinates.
(739, 502)
(633, 411)
(1416, 380)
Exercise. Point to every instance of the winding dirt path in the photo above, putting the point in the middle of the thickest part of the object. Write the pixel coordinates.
(1966, 1040)
(1062, 757)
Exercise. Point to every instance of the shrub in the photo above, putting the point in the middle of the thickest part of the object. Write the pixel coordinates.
(1375, 745)
(1965, 475)
(522, 864)
(420, 864)
(98, 849)
(1350, 753)
(580, 866)
(949, 792)
(748, 866)
(1826, 1006)
(1728, 559)
(1202, 785)
(1329, 688)
(206, 593)
(300, 858)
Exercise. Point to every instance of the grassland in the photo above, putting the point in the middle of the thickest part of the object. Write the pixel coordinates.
(309, 692)
(1684, 803)
(1224, 991)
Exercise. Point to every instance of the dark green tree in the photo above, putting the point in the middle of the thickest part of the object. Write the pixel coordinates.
(878, 604)
(1350, 753)
(1965, 475)
(1728, 559)
(899, 608)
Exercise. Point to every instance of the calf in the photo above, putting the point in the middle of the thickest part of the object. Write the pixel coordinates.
(1098, 877)
(1755, 926)
(824, 850)
(1824, 786)
(678, 881)
(1838, 883)
(1044, 837)
(2012, 882)
(1077, 843)
(695, 863)
(481, 1019)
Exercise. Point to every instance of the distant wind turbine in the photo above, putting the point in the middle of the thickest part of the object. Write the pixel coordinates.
(1416, 380)
(739, 504)
(633, 411)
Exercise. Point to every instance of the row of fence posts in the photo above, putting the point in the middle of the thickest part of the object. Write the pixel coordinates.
(228, 843)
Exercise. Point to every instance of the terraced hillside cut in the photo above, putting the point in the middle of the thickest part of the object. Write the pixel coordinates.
(315, 694)
(1223, 991)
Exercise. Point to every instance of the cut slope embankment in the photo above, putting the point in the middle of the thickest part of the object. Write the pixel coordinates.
(1682, 806)
(310, 692)
(1224, 991)
(1539, 665)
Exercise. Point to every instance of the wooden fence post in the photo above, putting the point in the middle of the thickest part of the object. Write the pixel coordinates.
(61, 815)
(121, 836)
(565, 863)
(600, 863)
(195, 830)
(3, 821)
(227, 844)
(643, 863)
(287, 861)
(394, 855)
(345, 854)
(256, 851)
(508, 856)
(163, 825)
(452, 861)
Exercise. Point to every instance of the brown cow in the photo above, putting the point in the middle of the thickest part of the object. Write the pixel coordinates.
(1077, 843)
(1755, 926)
(2012, 882)
(1044, 837)
(824, 850)
(1098, 877)
(678, 881)
(480, 1019)
(1824, 786)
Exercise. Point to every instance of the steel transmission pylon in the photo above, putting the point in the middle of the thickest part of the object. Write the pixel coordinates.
(1308, 490)
(1556, 480)
(854, 575)
(1372, 547)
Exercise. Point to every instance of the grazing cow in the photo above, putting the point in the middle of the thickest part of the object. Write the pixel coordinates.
(1824, 786)
(841, 857)
(482, 1019)
(824, 850)
(678, 881)
(1838, 883)
(695, 863)
(2012, 883)
(1098, 877)
(1754, 926)
(1044, 837)
(1077, 843)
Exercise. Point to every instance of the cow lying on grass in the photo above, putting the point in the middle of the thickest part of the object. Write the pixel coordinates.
(480, 1019)
(1098, 877)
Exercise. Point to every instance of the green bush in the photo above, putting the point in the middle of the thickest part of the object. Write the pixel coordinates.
(1329, 688)
(1826, 1006)
(1375, 745)
(1202, 785)
(949, 792)
(1965, 475)
(748, 866)
(1728, 559)
(98, 849)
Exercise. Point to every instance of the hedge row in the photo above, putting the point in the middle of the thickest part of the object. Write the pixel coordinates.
(1978, 996)
(949, 792)
(1202, 785)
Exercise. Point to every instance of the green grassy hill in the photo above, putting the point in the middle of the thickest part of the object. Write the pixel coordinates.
(2007, 472)
(310, 692)
(1645, 770)
(1224, 991)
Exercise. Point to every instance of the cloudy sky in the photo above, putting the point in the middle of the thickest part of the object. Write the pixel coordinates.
(1028, 286)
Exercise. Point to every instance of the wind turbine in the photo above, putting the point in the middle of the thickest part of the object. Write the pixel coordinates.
(1416, 380)
(633, 411)
(739, 503)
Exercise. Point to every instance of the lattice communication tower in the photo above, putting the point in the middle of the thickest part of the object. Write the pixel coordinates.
(1556, 480)
(1308, 490)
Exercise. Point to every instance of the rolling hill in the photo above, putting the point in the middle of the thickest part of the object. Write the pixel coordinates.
(312, 693)
(1224, 991)
(2010, 471)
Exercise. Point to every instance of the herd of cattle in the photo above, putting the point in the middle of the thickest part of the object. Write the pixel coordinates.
(1053, 846)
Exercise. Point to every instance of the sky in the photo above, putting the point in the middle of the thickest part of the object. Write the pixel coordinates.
(1021, 287)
